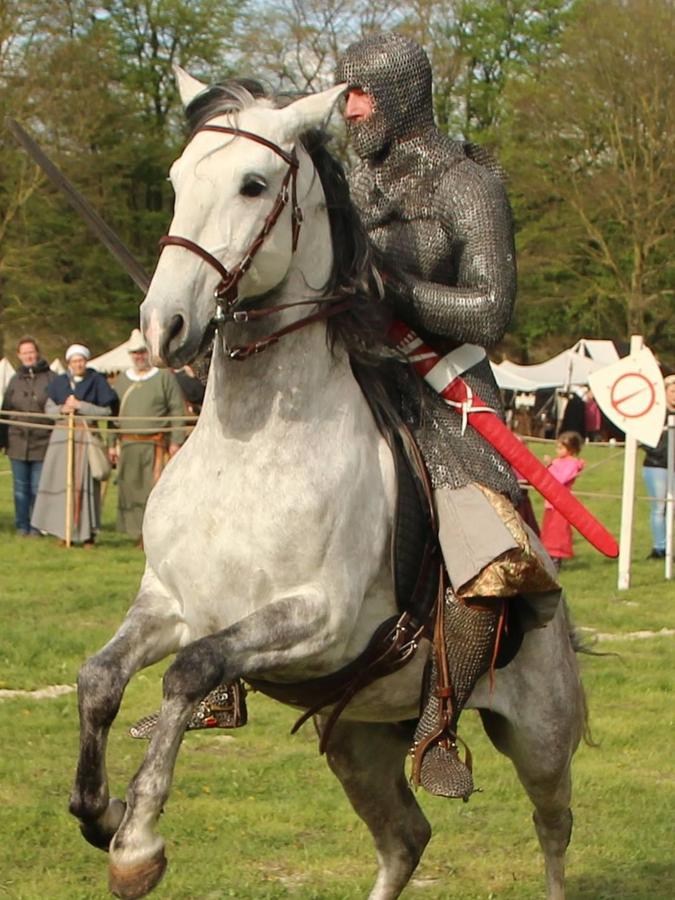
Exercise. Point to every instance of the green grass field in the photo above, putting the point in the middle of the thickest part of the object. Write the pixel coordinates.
(256, 814)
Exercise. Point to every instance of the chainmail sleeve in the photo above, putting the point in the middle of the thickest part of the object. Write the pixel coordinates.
(477, 308)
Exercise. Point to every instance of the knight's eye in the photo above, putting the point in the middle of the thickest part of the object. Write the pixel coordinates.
(253, 186)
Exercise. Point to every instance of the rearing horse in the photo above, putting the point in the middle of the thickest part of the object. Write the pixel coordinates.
(267, 537)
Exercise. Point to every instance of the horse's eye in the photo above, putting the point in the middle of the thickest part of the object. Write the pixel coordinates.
(253, 186)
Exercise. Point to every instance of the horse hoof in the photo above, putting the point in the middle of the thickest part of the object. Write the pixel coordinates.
(130, 882)
(100, 832)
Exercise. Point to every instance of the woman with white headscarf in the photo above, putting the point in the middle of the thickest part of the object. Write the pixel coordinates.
(84, 392)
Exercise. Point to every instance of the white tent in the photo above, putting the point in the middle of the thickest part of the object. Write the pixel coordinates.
(6, 372)
(114, 360)
(567, 369)
(603, 352)
(57, 366)
(511, 381)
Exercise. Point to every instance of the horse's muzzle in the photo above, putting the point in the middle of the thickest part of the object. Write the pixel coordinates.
(173, 341)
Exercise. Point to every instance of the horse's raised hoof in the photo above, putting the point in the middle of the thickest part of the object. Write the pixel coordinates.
(130, 882)
(100, 832)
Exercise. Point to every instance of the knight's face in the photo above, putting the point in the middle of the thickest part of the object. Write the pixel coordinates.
(359, 106)
(389, 79)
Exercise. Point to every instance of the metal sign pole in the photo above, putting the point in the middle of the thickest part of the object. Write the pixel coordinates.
(628, 495)
(670, 495)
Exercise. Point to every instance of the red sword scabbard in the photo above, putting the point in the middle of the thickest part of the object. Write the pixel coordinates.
(490, 426)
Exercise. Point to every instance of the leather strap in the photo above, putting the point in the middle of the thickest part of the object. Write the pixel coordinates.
(167, 239)
(226, 289)
(288, 158)
(392, 645)
(241, 352)
(227, 286)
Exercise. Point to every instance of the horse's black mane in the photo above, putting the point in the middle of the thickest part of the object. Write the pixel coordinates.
(357, 263)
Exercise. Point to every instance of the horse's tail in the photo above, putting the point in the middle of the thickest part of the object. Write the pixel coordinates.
(581, 644)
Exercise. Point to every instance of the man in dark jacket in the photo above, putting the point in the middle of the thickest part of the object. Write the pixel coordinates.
(26, 447)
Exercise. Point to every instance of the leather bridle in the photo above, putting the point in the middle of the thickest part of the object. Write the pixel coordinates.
(226, 291)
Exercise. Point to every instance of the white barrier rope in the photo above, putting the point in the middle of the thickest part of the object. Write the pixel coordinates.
(114, 425)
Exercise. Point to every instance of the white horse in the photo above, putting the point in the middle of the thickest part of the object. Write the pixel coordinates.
(267, 537)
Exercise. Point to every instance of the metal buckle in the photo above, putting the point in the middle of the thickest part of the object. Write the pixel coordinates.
(219, 317)
(240, 316)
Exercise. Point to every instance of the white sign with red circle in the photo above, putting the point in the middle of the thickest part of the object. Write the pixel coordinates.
(631, 394)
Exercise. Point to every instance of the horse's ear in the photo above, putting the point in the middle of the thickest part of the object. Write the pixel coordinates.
(311, 111)
(188, 87)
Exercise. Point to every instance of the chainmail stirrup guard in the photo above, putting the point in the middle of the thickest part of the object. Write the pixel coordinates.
(224, 707)
(464, 648)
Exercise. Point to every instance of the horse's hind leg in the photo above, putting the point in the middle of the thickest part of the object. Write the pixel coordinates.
(543, 767)
(144, 638)
(369, 761)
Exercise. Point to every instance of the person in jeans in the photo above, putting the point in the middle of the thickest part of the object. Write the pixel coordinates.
(655, 474)
(26, 446)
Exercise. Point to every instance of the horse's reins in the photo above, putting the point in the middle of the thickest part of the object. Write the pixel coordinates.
(226, 291)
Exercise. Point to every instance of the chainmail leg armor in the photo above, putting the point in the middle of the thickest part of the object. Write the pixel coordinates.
(470, 635)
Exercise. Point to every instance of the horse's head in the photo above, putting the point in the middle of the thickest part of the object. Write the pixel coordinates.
(238, 197)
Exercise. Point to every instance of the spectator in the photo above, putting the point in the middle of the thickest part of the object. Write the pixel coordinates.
(574, 416)
(146, 393)
(26, 447)
(592, 417)
(191, 388)
(655, 474)
(84, 392)
(556, 531)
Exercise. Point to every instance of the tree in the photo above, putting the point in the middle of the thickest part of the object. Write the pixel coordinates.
(595, 139)
(115, 143)
(294, 44)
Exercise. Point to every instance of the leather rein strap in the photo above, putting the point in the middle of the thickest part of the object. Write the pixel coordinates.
(226, 291)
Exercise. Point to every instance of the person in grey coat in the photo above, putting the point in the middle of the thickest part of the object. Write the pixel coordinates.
(84, 392)
(26, 446)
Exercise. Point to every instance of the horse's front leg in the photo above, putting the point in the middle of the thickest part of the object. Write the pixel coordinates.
(267, 639)
(144, 638)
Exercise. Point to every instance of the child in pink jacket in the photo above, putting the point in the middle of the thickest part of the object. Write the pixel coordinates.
(556, 531)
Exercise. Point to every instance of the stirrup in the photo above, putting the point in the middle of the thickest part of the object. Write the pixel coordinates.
(465, 643)
(437, 767)
(224, 707)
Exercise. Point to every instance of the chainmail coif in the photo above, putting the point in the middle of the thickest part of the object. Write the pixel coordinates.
(438, 210)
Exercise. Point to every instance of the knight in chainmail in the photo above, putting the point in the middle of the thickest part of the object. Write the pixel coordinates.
(437, 208)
